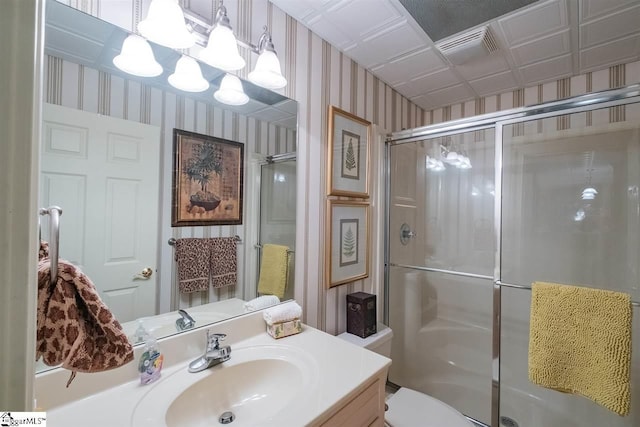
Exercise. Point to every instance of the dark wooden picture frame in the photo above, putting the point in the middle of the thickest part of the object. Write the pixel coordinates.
(207, 180)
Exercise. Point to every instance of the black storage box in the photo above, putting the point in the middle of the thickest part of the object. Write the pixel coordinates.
(361, 314)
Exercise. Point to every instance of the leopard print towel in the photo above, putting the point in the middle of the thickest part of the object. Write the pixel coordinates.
(224, 261)
(75, 328)
(193, 259)
(44, 250)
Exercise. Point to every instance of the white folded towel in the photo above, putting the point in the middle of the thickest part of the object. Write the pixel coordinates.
(282, 313)
(261, 302)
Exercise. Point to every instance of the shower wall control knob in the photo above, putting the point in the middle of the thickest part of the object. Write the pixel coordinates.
(406, 233)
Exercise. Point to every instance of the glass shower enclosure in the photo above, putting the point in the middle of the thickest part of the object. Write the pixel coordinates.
(477, 210)
(278, 210)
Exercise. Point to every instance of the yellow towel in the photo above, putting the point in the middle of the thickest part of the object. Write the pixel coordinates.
(273, 270)
(580, 342)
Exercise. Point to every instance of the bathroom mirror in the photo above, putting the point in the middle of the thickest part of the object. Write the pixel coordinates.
(116, 200)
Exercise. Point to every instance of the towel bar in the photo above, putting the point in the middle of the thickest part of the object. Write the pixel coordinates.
(54, 213)
(511, 285)
(172, 241)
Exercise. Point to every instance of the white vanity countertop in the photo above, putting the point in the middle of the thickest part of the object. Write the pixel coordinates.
(334, 369)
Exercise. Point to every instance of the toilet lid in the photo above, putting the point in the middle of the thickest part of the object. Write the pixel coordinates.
(409, 408)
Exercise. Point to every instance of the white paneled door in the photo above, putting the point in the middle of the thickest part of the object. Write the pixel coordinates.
(104, 174)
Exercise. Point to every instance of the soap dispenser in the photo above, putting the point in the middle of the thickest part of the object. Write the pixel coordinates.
(150, 362)
(140, 335)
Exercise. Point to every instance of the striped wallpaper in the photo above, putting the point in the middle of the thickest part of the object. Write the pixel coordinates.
(319, 75)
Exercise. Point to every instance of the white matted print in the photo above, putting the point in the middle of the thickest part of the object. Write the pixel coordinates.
(348, 241)
(348, 154)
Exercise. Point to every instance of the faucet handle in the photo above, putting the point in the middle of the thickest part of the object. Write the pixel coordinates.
(214, 339)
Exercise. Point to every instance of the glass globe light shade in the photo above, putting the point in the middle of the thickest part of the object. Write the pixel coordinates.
(231, 92)
(165, 25)
(188, 76)
(452, 158)
(136, 57)
(222, 50)
(267, 72)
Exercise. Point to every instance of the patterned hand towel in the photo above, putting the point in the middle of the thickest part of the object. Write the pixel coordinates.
(224, 261)
(580, 342)
(74, 327)
(193, 259)
(273, 270)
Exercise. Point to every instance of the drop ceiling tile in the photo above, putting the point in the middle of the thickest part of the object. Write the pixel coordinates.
(555, 68)
(428, 83)
(300, 8)
(330, 32)
(288, 105)
(407, 67)
(379, 15)
(610, 27)
(533, 22)
(494, 84)
(450, 95)
(616, 52)
(590, 9)
(83, 50)
(384, 47)
(423, 102)
(541, 49)
(491, 64)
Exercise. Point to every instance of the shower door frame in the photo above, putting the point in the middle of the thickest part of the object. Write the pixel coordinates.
(577, 104)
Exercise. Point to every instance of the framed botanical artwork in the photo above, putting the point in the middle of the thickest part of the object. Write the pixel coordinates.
(207, 180)
(347, 241)
(348, 155)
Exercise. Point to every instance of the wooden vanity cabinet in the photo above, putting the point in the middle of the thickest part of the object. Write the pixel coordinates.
(364, 407)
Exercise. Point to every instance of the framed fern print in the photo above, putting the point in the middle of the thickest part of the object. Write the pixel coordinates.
(348, 154)
(348, 241)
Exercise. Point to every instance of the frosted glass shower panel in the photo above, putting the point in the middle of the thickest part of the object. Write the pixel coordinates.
(531, 406)
(570, 211)
(278, 212)
(443, 188)
(442, 337)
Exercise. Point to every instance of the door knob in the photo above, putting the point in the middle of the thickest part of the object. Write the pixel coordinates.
(144, 274)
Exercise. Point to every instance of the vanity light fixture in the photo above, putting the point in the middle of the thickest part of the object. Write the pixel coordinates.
(222, 48)
(267, 72)
(188, 76)
(221, 51)
(165, 25)
(136, 57)
(231, 92)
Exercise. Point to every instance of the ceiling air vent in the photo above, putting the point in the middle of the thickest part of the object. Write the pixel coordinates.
(465, 47)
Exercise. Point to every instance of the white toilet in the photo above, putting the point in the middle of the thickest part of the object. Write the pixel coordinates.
(408, 408)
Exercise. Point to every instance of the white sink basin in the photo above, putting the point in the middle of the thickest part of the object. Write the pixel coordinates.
(257, 384)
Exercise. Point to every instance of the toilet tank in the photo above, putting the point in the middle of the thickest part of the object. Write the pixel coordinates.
(380, 342)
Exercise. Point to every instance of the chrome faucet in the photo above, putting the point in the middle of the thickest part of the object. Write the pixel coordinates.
(213, 354)
(185, 321)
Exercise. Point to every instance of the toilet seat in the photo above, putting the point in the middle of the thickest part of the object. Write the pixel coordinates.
(409, 408)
